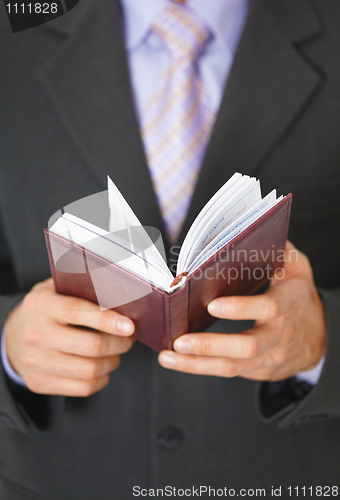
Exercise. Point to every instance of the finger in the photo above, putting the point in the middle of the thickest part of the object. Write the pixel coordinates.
(60, 386)
(74, 367)
(259, 368)
(71, 340)
(292, 254)
(245, 345)
(296, 263)
(77, 311)
(270, 305)
(203, 365)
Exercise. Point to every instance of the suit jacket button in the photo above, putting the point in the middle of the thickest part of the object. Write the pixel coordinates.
(170, 439)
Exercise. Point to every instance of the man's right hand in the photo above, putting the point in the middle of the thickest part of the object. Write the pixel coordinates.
(52, 355)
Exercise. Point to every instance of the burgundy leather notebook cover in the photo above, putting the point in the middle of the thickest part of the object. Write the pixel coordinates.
(239, 268)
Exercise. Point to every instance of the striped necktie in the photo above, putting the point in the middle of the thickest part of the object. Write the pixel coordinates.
(177, 122)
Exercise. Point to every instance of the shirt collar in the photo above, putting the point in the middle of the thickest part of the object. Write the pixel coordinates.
(222, 17)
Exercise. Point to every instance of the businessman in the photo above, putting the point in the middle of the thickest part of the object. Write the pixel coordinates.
(96, 92)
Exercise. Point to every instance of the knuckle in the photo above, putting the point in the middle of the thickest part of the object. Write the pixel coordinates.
(269, 374)
(73, 306)
(96, 345)
(205, 346)
(240, 306)
(31, 301)
(104, 323)
(35, 384)
(288, 335)
(273, 307)
(42, 285)
(189, 365)
(105, 381)
(116, 363)
(264, 375)
(304, 259)
(87, 388)
(28, 360)
(126, 345)
(251, 347)
(31, 335)
(280, 356)
(90, 370)
(229, 369)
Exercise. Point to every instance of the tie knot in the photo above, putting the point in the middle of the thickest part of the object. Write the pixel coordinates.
(182, 31)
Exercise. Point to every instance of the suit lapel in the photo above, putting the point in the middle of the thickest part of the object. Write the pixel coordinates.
(87, 80)
(269, 85)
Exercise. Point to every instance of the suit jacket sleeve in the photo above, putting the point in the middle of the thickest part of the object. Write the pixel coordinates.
(20, 408)
(323, 400)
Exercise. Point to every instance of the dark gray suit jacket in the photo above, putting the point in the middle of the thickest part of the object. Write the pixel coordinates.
(67, 120)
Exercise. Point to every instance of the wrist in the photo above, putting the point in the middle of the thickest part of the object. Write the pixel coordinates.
(10, 371)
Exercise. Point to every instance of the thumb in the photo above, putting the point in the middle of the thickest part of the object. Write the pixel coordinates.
(296, 264)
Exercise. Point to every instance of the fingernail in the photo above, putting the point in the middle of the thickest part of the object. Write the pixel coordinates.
(167, 359)
(216, 307)
(125, 326)
(182, 344)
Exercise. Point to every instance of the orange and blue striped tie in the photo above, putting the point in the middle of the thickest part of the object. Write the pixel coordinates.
(177, 122)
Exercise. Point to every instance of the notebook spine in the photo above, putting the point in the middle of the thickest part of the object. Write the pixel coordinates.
(176, 313)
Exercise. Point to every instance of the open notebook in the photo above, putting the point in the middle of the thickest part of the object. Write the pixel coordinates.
(114, 261)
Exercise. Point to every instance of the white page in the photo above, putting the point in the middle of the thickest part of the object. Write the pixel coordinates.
(205, 212)
(123, 218)
(86, 232)
(112, 248)
(235, 229)
(240, 198)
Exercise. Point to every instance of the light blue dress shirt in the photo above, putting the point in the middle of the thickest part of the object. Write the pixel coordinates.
(148, 58)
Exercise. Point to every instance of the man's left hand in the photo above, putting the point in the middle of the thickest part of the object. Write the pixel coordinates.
(289, 334)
